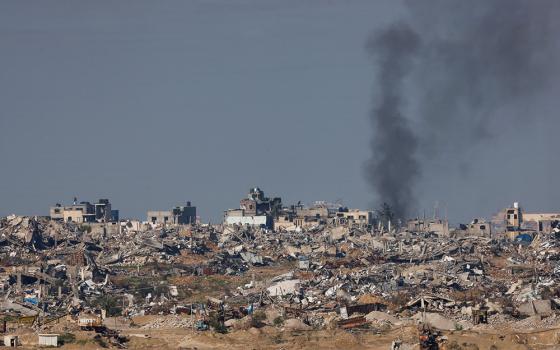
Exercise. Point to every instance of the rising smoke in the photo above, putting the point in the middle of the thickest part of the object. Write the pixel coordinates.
(394, 167)
(442, 77)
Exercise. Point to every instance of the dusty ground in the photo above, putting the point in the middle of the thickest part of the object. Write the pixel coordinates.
(270, 338)
(277, 338)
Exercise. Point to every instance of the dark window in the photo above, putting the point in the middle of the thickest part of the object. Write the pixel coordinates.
(515, 216)
(483, 227)
(165, 218)
(154, 219)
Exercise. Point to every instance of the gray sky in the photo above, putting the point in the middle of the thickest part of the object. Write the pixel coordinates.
(154, 103)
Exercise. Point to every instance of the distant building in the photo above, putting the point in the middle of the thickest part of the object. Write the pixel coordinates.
(180, 215)
(256, 220)
(85, 212)
(478, 227)
(254, 210)
(542, 222)
(50, 340)
(321, 213)
(438, 226)
(514, 219)
(354, 217)
(315, 215)
(258, 210)
(257, 204)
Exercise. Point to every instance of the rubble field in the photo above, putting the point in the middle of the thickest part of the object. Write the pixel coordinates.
(328, 287)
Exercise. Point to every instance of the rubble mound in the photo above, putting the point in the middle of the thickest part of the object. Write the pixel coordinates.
(170, 321)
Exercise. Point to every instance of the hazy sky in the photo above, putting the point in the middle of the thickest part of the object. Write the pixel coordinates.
(153, 103)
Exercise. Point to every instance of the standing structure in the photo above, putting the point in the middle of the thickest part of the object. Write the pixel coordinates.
(84, 212)
(180, 215)
(254, 210)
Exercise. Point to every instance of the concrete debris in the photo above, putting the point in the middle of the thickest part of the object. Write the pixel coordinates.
(435, 320)
(333, 271)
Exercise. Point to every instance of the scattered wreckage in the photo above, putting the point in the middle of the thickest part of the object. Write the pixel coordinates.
(338, 276)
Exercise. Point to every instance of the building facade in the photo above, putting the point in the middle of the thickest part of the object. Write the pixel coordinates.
(180, 215)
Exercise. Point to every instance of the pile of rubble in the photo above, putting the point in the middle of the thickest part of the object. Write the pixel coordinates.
(340, 276)
(171, 321)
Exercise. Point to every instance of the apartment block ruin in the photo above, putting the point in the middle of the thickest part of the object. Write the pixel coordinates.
(180, 215)
(85, 212)
(515, 220)
(260, 211)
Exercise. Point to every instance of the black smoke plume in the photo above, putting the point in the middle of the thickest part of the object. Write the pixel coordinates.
(443, 78)
(393, 168)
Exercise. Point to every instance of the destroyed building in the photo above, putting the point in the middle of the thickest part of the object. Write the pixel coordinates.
(437, 226)
(259, 211)
(180, 215)
(478, 227)
(354, 217)
(85, 212)
(254, 210)
(515, 220)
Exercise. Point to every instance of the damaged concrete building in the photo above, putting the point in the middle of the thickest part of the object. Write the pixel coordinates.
(180, 215)
(85, 212)
(260, 211)
(437, 226)
(515, 220)
(254, 210)
(299, 217)
(478, 227)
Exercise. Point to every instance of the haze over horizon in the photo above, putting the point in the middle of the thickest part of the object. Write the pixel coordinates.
(154, 104)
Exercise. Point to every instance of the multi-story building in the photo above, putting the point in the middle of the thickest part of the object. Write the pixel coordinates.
(180, 215)
(254, 210)
(300, 217)
(478, 227)
(84, 212)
